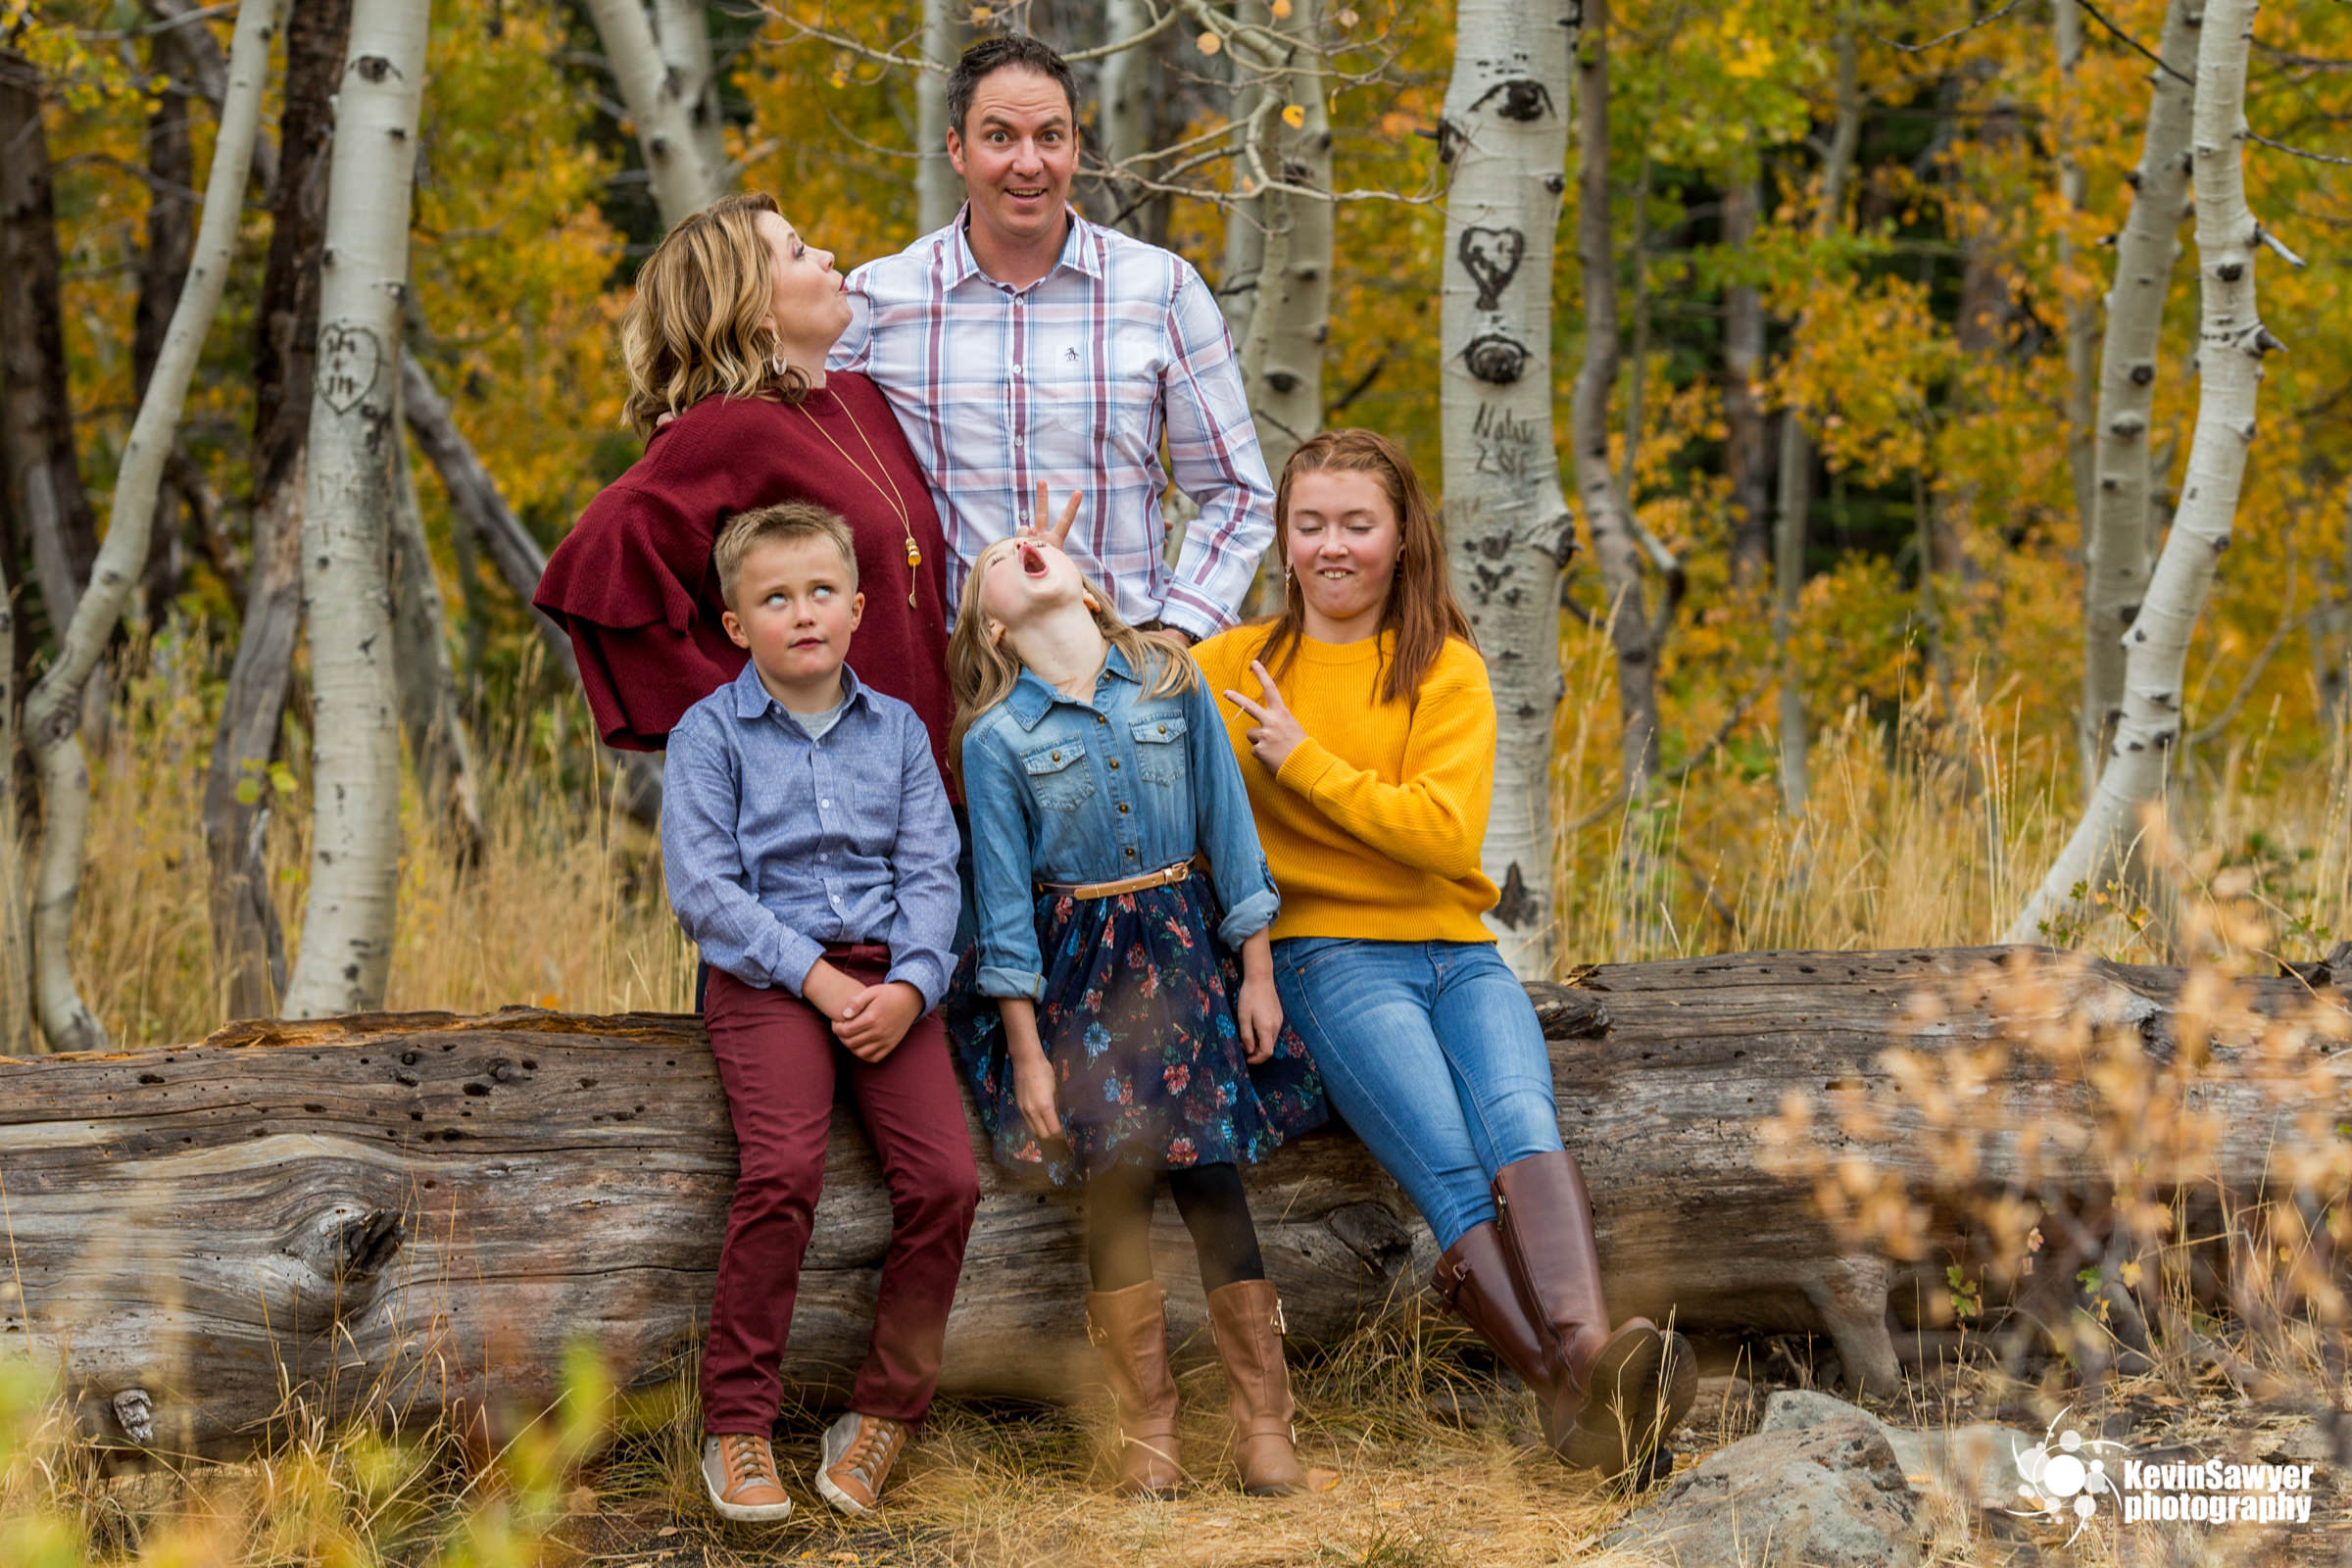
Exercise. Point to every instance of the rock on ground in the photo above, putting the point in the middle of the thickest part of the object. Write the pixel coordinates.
(1830, 1494)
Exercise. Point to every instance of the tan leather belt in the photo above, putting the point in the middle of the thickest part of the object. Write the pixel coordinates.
(1160, 878)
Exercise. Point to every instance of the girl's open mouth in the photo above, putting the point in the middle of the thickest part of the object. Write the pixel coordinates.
(1033, 560)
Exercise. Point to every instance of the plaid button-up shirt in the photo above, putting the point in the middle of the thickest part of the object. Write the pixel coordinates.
(1073, 380)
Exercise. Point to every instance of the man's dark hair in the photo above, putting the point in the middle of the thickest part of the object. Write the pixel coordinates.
(1005, 51)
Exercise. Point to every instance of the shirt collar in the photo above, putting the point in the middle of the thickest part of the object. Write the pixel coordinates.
(1081, 249)
(1031, 698)
(753, 698)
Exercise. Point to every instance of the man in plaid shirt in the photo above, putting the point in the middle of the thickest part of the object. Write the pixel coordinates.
(1022, 345)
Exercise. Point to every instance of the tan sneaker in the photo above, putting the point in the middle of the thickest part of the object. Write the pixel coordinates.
(739, 1471)
(857, 1453)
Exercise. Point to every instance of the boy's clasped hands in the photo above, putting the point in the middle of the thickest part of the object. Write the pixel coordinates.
(869, 1021)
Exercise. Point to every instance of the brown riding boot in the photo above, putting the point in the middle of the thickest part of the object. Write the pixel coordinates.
(1475, 1280)
(1247, 1319)
(1617, 1393)
(1130, 1328)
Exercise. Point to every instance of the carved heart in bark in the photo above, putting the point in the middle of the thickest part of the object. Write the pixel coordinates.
(349, 360)
(1491, 255)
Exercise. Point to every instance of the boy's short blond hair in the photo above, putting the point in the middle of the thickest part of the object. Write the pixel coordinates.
(785, 524)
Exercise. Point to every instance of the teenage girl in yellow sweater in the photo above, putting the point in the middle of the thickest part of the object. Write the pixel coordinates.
(1365, 728)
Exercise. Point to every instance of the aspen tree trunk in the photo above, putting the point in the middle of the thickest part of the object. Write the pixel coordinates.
(1796, 492)
(43, 475)
(162, 272)
(431, 714)
(17, 1037)
(53, 710)
(248, 946)
(937, 191)
(2232, 343)
(1290, 318)
(1126, 117)
(684, 34)
(347, 507)
(1614, 548)
(2082, 324)
(1508, 531)
(1245, 220)
(1744, 446)
(684, 179)
(474, 496)
(2120, 530)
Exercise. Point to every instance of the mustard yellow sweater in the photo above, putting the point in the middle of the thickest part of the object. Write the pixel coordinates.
(1374, 825)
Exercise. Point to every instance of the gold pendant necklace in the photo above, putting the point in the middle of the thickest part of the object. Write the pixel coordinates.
(884, 486)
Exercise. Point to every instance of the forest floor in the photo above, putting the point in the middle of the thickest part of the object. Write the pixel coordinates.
(1453, 1479)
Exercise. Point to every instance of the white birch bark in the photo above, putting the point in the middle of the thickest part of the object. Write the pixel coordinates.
(2082, 323)
(662, 111)
(1289, 315)
(53, 709)
(2232, 343)
(1509, 531)
(431, 714)
(1245, 224)
(684, 34)
(16, 1034)
(1126, 119)
(938, 193)
(2119, 529)
(347, 510)
(1615, 549)
(1795, 497)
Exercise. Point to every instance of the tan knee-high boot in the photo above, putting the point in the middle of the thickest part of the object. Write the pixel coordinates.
(1247, 1319)
(1618, 1393)
(1130, 1328)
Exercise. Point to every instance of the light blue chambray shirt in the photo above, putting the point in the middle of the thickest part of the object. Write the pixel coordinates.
(774, 844)
(1064, 791)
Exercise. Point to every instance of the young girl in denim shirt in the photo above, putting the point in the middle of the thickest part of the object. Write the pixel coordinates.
(1113, 1036)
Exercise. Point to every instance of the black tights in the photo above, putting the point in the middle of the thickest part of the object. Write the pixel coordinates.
(1209, 1197)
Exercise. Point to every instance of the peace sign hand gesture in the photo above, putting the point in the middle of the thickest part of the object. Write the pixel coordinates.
(1055, 531)
(1275, 731)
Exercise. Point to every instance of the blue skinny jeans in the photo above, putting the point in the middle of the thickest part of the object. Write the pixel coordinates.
(1432, 1053)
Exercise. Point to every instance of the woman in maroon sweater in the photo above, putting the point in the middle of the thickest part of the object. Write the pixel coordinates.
(726, 344)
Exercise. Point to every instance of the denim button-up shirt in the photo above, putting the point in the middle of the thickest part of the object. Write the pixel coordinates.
(774, 844)
(1065, 790)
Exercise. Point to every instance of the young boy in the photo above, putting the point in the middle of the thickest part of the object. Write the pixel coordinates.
(811, 856)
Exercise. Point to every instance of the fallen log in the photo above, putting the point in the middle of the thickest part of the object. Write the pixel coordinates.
(399, 1216)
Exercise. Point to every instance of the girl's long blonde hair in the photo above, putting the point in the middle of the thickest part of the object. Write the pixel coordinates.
(982, 671)
(697, 325)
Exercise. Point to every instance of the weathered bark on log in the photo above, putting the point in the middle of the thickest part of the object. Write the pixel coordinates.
(412, 1212)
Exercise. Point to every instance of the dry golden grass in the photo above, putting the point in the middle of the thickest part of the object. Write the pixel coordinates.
(1928, 836)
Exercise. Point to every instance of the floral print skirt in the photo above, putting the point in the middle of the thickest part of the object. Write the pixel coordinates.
(1138, 1021)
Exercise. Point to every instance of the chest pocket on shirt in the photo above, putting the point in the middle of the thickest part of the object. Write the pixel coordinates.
(1059, 776)
(1159, 749)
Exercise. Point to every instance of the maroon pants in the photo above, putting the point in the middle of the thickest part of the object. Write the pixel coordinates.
(780, 1063)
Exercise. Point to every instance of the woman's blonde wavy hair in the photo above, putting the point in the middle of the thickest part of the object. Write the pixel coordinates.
(697, 325)
(982, 671)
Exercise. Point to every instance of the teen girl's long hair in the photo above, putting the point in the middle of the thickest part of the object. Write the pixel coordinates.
(1421, 610)
(697, 326)
(982, 671)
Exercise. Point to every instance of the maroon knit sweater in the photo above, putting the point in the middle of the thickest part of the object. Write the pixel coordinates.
(634, 586)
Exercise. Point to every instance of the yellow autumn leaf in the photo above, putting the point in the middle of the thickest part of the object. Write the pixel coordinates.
(1295, 115)
(1280, 9)
(1210, 43)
